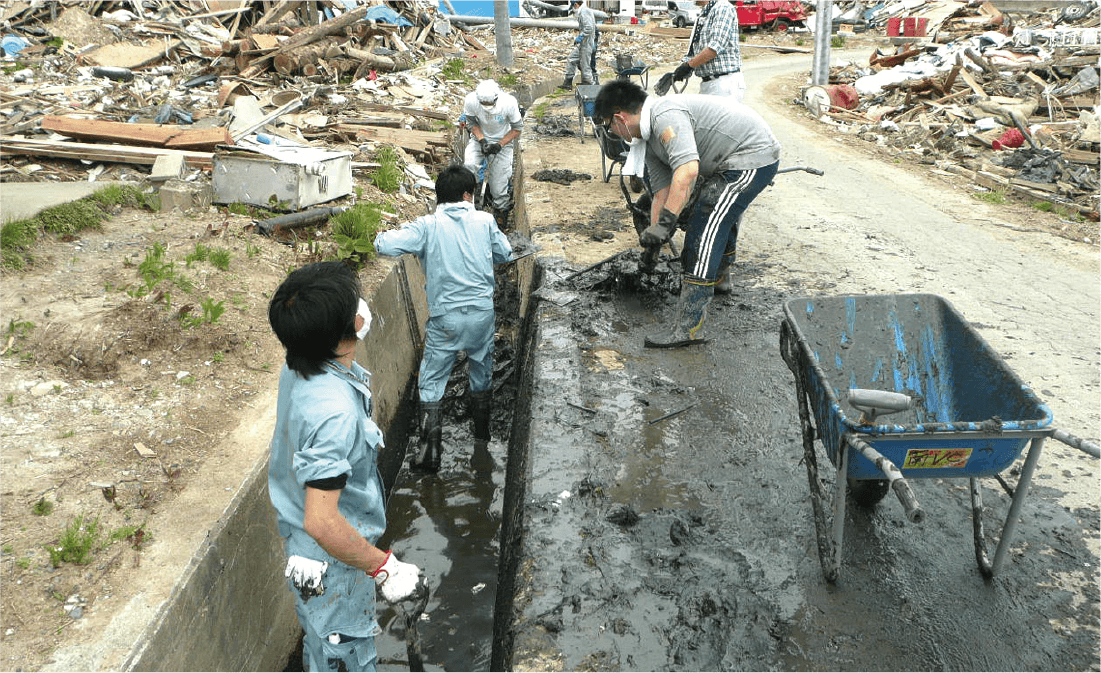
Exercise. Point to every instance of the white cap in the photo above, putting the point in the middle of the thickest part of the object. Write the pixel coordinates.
(487, 91)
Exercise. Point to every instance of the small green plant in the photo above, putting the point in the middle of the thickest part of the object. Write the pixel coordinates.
(218, 357)
(508, 80)
(8, 549)
(800, 41)
(219, 257)
(1045, 206)
(137, 536)
(453, 69)
(239, 209)
(212, 311)
(42, 508)
(388, 176)
(67, 434)
(23, 563)
(354, 233)
(837, 41)
(540, 110)
(995, 196)
(78, 542)
(10, 399)
(251, 251)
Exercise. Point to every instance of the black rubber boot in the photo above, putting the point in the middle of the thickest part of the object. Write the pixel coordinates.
(431, 446)
(724, 286)
(567, 83)
(480, 407)
(687, 324)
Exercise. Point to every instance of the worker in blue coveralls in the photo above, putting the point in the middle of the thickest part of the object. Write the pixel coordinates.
(457, 246)
(323, 476)
(584, 47)
(495, 123)
(707, 159)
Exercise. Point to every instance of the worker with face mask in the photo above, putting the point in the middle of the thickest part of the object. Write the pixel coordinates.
(584, 46)
(323, 477)
(707, 158)
(493, 117)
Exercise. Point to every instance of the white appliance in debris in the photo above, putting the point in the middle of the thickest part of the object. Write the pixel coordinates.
(280, 177)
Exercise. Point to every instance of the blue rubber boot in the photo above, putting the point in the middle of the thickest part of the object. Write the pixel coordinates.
(686, 327)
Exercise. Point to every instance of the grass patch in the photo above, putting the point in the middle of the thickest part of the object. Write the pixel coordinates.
(995, 196)
(354, 233)
(837, 41)
(17, 238)
(388, 177)
(218, 257)
(42, 508)
(78, 542)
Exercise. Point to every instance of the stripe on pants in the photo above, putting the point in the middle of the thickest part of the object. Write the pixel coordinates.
(722, 207)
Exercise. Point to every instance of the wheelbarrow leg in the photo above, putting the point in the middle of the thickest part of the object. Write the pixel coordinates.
(793, 359)
(1010, 525)
(976, 525)
(840, 488)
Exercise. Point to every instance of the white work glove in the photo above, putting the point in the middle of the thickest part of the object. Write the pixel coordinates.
(397, 580)
(306, 575)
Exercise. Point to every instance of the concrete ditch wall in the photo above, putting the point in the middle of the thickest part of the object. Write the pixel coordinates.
(231, 610)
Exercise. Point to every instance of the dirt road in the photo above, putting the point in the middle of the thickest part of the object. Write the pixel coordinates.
(688, 543)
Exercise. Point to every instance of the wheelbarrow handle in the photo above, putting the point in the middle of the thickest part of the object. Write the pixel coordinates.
(790, 169)
(1078, 443)
(899, 485)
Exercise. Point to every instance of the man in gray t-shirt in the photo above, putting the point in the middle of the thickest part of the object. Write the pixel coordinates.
(707, 158)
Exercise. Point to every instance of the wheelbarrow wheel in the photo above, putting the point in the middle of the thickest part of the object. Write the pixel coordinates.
(868, 492)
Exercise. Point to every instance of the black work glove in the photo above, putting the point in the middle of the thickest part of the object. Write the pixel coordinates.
(492, 148)
(655, 235)
(484, 142)
(683, 72)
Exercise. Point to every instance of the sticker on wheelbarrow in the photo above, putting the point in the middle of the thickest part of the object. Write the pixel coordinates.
(917, 459)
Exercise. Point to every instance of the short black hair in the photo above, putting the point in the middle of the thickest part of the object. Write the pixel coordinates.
(312, 311)
(617, 96)
(453, 183)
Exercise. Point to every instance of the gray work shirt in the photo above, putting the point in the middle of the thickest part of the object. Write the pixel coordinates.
(718, 132)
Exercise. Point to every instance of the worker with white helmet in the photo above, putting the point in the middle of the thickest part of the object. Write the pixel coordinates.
(493, 117)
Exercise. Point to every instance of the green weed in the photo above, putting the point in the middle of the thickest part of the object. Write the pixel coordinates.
(388, 176)
(453, 69)
(212, 311)
(354, 233)
(218, 257)
(23, 563)
(837, 41)
(509, 80)
(78, 542)
(996, 196)
(42, 508)
(137, 536)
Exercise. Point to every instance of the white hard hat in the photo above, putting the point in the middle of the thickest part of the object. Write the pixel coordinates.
(487, 91)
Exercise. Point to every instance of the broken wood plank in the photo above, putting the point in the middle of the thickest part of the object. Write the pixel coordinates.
(159, 135)
(121, 154)
(971, 82)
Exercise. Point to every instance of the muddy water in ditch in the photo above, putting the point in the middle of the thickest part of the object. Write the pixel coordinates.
(674, 529)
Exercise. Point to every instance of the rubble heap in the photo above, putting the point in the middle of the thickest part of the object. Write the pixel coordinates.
(1010, 103)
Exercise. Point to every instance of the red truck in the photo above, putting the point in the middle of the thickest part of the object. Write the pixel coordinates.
(771, 14)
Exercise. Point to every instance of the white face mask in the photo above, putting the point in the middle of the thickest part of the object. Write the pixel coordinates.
(364, 312)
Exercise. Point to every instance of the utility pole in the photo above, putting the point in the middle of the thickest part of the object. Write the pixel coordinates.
(502, 31)
(823, 29)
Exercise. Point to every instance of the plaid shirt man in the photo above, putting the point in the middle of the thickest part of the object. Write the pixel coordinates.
(717, 28)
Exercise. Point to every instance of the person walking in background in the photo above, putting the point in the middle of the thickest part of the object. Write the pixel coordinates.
(493, 117)
(323, 477)
(707, 158)
(457, 246)
(584, 47)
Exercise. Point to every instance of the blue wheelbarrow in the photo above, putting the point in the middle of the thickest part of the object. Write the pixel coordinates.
(957, 409)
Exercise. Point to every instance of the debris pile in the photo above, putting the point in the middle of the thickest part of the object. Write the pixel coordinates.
(1009, 102)
(122, 84)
